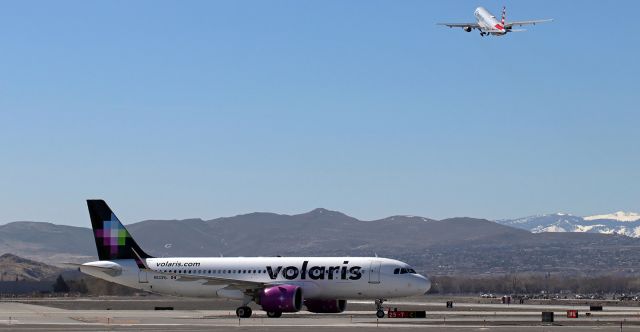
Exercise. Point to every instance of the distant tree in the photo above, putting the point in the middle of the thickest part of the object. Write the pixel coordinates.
(60, 286)
(80, 287)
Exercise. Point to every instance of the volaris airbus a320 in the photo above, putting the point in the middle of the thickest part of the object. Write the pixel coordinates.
(277, 284)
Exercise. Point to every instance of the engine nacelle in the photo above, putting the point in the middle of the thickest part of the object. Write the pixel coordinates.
(325, 306)
(467, 29)
(281, 298)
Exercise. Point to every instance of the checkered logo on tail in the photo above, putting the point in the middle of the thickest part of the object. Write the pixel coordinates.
(113, 235)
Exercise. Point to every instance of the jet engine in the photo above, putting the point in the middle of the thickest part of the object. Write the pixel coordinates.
(281, 298)
(467, 29)
(325, 306)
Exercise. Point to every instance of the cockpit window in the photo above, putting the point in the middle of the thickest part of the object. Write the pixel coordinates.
(404, 270)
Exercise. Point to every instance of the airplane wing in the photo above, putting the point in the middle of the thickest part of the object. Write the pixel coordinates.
(521, 23)
(210, 280)
(461, 25)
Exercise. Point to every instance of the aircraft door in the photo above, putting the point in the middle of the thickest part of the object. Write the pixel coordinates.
(374, 272)
(142, 277)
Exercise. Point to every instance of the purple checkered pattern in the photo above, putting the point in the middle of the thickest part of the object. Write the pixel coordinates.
(113, 234)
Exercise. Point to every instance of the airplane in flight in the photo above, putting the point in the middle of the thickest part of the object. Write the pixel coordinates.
(277, 284)
(487, 24)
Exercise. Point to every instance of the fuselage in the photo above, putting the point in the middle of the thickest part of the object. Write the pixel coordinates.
(318, 277)
(488, 22)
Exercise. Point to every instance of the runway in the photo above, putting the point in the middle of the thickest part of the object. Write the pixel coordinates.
(16, 316)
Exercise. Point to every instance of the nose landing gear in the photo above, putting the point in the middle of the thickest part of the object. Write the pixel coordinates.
(379, 308)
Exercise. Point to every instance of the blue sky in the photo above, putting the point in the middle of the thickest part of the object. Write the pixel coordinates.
(171, 109)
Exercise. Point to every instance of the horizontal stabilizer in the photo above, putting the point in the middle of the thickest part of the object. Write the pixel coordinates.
(112, 271)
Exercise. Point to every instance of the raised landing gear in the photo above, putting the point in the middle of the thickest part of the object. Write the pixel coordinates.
(243, 312)
(379, 309)
(274, 314)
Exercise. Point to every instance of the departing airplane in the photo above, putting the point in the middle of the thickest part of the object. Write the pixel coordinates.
(487, 24)
(277, 284)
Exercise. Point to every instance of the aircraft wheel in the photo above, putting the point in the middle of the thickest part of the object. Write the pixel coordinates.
(243, 312)
(380, 313)
(274, 314)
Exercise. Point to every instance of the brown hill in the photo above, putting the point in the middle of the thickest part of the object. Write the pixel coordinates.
(15, 268)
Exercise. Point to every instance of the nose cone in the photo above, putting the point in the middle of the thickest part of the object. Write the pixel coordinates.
(424, 284)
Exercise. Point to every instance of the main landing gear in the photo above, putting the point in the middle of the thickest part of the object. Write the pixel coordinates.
(274, 314)
(379, 309)
(243, 312)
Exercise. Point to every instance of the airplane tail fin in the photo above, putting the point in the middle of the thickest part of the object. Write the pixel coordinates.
(504, 15)
(113, 241)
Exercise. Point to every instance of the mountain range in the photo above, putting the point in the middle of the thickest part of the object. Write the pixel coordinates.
(623, 223)
(441, 247)
(318, 232)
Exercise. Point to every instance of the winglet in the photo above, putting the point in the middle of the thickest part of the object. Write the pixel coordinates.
(504, 14)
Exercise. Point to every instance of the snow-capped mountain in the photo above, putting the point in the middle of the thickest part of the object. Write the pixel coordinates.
(624, 223)
(619, 216)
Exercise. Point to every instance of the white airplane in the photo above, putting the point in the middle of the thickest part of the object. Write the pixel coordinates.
(487, 24)
(277, 284)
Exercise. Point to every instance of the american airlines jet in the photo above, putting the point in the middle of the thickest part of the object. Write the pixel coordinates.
(487, 24)
(277, 284)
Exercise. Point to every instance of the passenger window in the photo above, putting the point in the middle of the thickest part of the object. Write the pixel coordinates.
(396, 271)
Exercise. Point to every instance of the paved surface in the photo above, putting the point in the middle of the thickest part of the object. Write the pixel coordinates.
(30, 317)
